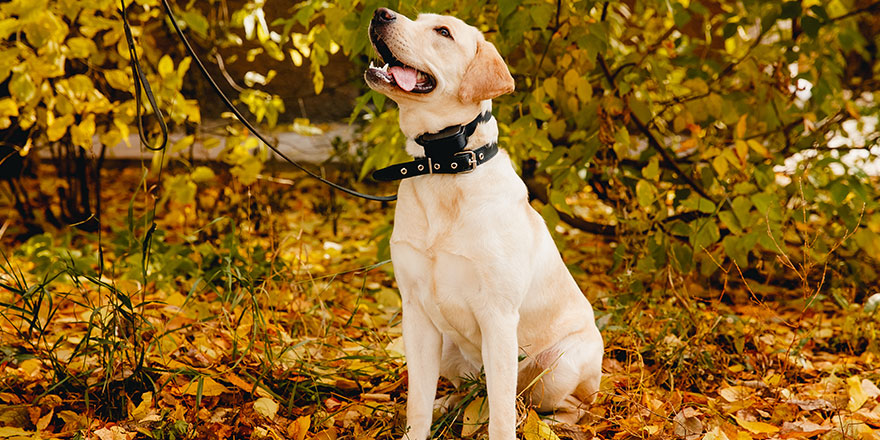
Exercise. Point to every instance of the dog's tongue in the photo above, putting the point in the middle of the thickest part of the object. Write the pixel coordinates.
(404, 76)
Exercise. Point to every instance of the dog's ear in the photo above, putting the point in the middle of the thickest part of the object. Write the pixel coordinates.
(486, 77)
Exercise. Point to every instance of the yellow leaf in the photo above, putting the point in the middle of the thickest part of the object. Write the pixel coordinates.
(118, 79)
(570, 81)
(742, 149)
(757, 427)
(733, 394)
(80, 47)
(31, 366)
(857, 396)
(721, 166)
(143, 408)
(741, 127)
(651, 429)
(584, 89)
(266, 407)
(716, 434)
(81, 134)
(536, 429)
(166, 66)
(8, 107)
(475, 416)
(44, 421)
(851, 109)
(551, 86)
(758, 147)
(296, 57)
(9, 431)
(210, 387)
(318, 80)
(298, 429)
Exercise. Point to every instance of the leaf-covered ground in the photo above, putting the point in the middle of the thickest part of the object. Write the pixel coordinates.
(268, 311)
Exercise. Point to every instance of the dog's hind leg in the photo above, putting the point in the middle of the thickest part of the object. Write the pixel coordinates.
(566, 377)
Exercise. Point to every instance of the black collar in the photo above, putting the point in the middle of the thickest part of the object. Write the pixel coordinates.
(444, 153)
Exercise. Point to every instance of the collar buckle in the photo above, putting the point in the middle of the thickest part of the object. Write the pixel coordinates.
(471, 160)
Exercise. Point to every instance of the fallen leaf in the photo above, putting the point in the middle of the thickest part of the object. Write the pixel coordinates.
(802, 428)
(736, 393)
(143, 408)
(9, 431)
(114, 433)
(245, 385)
(687, 424)
(857, 395)
(210, 387)
(535, 428)
(44, 421)
(476, 414)
(870, 389)
(327, 434)
(756, 427)
(266, 407)
(812, 405)
(716, 434)
(298, 429)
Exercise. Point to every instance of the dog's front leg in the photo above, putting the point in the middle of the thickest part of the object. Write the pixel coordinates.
(499, 350)
(422, 342)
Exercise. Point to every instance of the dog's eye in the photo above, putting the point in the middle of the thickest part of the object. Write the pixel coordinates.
(443, 31)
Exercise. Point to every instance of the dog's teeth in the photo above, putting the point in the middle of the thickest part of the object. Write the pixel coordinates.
(420, 77)
(385, 67)
(372, 66)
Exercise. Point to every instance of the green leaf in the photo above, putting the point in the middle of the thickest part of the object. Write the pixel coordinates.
(763, 202)
(22, 86)
(202, 174)
(838, 191)
(645, 193)
(639, 108)
(698, 203)
(196, 22)
(705, 233)
(741, 208)
(811, 26)
(733, 247)
(729, 220)
(652, 171)
(791, 9)
(682, 257)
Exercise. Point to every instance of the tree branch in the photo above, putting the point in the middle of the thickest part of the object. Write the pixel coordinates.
(652, 140)
(539, 192)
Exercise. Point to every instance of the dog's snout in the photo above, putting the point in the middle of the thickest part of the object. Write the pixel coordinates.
(383, 16)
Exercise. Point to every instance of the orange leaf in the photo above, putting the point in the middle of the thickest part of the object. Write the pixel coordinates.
(757, 427)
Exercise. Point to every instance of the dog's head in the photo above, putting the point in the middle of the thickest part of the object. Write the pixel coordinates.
(434, 59)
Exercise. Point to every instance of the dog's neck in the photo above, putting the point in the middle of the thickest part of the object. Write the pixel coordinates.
(418, 120)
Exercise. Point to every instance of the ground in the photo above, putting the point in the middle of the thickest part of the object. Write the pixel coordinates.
(270, 311)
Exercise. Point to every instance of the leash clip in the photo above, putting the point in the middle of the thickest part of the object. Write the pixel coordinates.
(471, 160)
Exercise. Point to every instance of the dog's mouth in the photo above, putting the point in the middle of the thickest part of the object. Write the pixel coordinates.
(397, 74)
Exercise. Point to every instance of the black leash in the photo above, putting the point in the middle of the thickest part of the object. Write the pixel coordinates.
(141, 81)
(226, 100)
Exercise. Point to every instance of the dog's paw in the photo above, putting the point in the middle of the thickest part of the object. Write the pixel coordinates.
(445, 403)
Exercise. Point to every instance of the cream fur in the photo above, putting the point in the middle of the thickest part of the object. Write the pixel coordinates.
(480, 276)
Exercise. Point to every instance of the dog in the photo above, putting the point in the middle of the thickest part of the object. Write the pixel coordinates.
(481, 280)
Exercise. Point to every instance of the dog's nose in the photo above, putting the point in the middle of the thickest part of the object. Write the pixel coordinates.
(384, 16)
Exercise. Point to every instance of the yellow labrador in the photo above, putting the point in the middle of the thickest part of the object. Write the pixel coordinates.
(482, 282)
